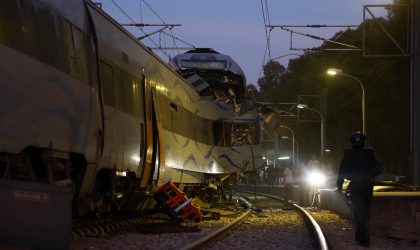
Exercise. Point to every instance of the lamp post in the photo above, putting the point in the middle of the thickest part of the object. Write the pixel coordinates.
(293, 138)
(297, 148)
(304, 106)
(334, 72)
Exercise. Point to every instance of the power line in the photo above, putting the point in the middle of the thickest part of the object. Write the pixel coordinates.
(173, 37)
(135, 22)
(266, 20)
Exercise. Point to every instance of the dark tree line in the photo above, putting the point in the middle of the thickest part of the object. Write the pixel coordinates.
(386, 81)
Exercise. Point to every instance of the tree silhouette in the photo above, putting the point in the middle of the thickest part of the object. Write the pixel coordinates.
(386, 81)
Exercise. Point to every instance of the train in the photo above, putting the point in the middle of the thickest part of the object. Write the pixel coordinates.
(84, 103)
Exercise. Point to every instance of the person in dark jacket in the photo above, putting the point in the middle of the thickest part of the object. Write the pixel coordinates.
(360, 166)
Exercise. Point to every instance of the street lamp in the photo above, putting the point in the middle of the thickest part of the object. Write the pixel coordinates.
(297, 148)
(334, 72)
(293, 138)
(305, 106)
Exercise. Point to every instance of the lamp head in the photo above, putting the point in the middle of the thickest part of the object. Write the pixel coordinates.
(333, 71)
(302, 106)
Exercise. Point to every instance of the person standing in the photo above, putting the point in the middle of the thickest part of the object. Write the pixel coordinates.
(289, 180)
(360, 166)
(314, 163)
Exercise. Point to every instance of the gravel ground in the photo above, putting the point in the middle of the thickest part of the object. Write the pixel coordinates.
(340, 233)
(275, 228)
(134, 240)
(271, 230)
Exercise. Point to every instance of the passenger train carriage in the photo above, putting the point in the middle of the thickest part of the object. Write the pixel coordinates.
(84, 103)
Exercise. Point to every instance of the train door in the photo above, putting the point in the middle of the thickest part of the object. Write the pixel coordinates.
(152, 163)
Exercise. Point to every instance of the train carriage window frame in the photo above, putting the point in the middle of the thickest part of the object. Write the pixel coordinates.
(80, 53)
(230, 134)
(208, 65)
(107, 79)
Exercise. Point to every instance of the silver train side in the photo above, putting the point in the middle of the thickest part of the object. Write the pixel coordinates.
(83, 103)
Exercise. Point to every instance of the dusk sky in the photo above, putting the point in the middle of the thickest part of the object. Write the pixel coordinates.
(237, 27)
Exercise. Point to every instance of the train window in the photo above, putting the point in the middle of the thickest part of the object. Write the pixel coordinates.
(129, 93)
(79, 45)
(235, 134)
(33, 28)
(107, 79)
(9, 24)
(137, 97)
(124, 97)
(218, 133)
(68, 46)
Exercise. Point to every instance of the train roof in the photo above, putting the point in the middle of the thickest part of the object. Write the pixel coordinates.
(206, 59)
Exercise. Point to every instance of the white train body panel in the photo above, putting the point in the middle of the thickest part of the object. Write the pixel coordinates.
(104, 116)
(44, 107)
(208, 158)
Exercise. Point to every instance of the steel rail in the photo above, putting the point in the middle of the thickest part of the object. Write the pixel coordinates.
(320, 240)
(210, 237)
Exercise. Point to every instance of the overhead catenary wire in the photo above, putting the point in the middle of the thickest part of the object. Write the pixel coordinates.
(263, 61)
(145, 35)
(173, 37)
(266, 20)
(132, 21)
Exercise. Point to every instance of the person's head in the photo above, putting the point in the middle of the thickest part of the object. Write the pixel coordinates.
(357, 139)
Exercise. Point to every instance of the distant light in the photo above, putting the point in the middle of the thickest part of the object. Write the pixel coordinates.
(121, 173)
(284, 137)
(264, 158)
(284, 158)
(302, 106)
(316, 178)
(327, 150)
(333, 71)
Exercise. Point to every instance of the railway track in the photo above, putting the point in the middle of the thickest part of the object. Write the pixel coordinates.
(278, 226)
(213, 240)
(313, 227)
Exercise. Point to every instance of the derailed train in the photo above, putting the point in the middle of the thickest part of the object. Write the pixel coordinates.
(84, 103)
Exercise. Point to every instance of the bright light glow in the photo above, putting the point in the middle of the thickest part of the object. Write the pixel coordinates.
(284, 158)
(284, 137)
(135, 158)
(316, 178)
(327, 150)
(264, 158)
(333, 72)
(301, 106)
(121, 173)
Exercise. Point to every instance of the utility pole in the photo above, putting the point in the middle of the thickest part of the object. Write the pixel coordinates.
(415, 93)
(324, 117)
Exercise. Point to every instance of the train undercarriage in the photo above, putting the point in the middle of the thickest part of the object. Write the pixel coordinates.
(112, 191)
